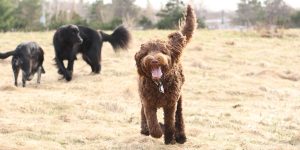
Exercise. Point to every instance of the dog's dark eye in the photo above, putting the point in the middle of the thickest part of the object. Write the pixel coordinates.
(74, 32)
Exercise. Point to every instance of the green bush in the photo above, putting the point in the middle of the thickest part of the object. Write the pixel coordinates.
(110, 25)
(6, 17)
(171, 15)
(201, 23)
(145, 22)
(56, 22)
(295, 18)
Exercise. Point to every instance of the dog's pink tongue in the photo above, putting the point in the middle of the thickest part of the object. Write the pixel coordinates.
(156, 73)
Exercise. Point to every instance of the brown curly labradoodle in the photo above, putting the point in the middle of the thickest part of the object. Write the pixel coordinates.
(160, 81)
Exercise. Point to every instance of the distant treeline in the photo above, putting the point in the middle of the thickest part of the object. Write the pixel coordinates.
(35, 15)
(266, 13)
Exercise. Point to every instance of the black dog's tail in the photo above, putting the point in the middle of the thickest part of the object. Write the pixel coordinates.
(119, 39)
(7, 54)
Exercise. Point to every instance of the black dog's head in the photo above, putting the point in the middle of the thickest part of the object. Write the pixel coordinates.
(26, 68)
(70, 33)
(29, 58)
(24, 64)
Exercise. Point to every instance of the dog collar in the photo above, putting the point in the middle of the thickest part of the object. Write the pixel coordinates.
(160, 86)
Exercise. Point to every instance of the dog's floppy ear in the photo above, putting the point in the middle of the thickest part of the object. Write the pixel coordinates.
(138, 58)
(140, 54)
(62, 33)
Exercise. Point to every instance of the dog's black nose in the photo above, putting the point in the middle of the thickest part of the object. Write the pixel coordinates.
(154, 62)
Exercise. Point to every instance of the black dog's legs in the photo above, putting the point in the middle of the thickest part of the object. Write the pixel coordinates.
(70, 67)
(88, 61)
(93, 61)
(62, 69)
(16, 70)
(39, 72)
(96, 67)
(61, 66)
(24, 79)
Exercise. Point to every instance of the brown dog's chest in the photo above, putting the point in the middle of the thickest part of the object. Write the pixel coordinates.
(151, 95)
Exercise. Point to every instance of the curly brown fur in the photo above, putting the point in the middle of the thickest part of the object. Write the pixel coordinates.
(190, 23)
(159, 66)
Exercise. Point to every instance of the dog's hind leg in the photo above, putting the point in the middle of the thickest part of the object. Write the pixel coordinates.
(144, 126)
(43, 70)
(39, 72)
(24, 79)
(94, 57)
(88, 61)
(16, 70)
(94, 62)
(179, 124)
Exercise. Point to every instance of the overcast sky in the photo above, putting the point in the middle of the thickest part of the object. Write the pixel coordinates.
(214, 5)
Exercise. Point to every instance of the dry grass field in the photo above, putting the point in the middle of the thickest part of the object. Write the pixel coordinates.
(242, 91)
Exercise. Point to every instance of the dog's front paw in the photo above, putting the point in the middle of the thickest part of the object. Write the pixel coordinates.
(169, 136)
(60, 72)
(68, 75)
(156, 132)
(162, 126)
(145, 132)
(170, 141)
(145, 129)
(180, 139)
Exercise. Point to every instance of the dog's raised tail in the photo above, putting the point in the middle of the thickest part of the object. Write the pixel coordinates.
(7, 54)
(187, 28)
(119, 39)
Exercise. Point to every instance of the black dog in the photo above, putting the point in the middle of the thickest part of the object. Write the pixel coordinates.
(70, 40)
(28, 57)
